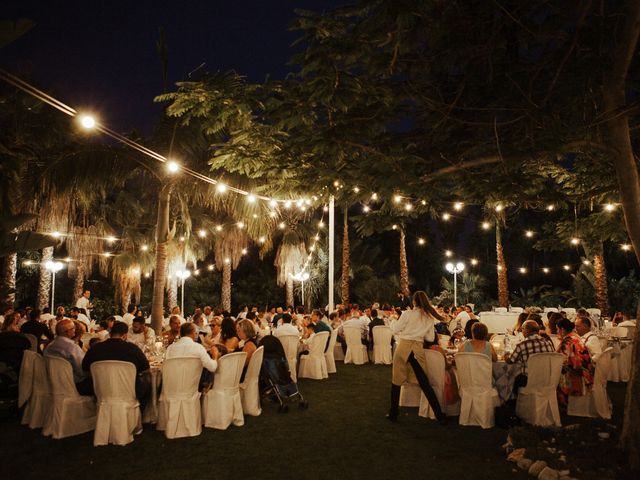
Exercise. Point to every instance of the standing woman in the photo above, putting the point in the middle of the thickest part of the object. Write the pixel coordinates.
(411, 330)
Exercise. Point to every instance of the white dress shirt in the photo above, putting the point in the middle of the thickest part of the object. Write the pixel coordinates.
(414, 325)
(139, 340)
(592, 342)
(128, 318)
(186, 347)
(360, 322)
(286, 329)
(463, 317)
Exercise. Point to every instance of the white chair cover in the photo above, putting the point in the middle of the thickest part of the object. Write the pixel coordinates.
(314, 365)
(571, 313)
(537, 402)
(410, 394)
(338, 353)
(34, 390)
(620, 370)
(329, 355)
(119, 415)
(86, 338)
(382, 345)
(72, 414)
(33, 341)
(596, 403)
(555, 340)
(356, 351)
(435, 373)
(501, 310)
(550, 309)
(478, 398)
(249, 389)
(517, 309)
(179, 413)
(222, 406)
(290, 345)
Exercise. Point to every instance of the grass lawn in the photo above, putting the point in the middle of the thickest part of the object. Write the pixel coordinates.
(343, 434)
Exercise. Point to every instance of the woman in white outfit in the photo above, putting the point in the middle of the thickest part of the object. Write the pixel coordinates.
(411, 330)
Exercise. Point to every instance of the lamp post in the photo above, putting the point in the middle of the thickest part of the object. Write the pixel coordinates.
(301, 277)
(53, 267)
(455, 269)
(183, 275)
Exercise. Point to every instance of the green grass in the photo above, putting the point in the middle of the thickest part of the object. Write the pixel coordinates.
(343, 434)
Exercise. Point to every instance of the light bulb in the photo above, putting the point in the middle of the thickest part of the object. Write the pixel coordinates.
(421, 241)
(251, 198)
(545, 270)
(221, 187)
(87, 121)
(202, 233)
(446, 216)
(173, 166)
(486, 225)
(474, 262)
(458, 206)
(448, 253)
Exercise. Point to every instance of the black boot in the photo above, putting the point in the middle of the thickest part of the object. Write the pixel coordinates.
(426, 388)
(395, 403)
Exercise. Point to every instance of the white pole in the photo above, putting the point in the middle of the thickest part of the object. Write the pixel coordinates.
(53, 292)
(455, 287)
(331, 250)
(302, 292)
(182, 299)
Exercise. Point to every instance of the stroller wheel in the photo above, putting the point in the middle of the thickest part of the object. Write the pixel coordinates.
(303, 405)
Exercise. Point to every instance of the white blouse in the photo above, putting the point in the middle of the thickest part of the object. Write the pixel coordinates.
(414, 325)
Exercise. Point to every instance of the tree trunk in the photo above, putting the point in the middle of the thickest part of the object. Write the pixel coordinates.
(160, 275)
(225, 294)
(503, 288)
(9, 279)
(404, 268)
(600, 273)
(289, 292)
(78, 283)
(44, 280)
(344, 294)
(172, 293)
(614, 101)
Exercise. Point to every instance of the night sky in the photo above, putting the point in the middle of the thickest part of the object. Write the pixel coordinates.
(102, 55)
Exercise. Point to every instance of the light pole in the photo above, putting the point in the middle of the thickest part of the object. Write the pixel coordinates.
(183, 275)
(455, 269)
(53, 267)
(301, 277)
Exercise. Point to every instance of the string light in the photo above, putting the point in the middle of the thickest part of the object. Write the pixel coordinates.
(609, 207)
(262, 239)
(397, 198)
(273, 203)
(366, 209)
(474, 262)
(374, 196)
(287, 204)
(446, 216)
(27, 263)
(448, 253)
(626, 247)
(523, 270)
(586, 262)
(251, 198)
(528, 234)
(486, 225)
(144, 248)
(87, 121)
(408, 207)
(499, 207)
(320, 224)
(68, 259)
(575, 241)
(227, 260)
(566, 267)
(147, 275)
(421, 241)
(221, 187)
(394, 227)
(196, 272)
(356, 189)
(423, 202)
(210, 268)
(240, 225)
(551, 207)
(182, 239)
(56, 234)
(244, 251)
(545, 270)
(458, 206)
(218, 228)
(281, 225)
(202, 233)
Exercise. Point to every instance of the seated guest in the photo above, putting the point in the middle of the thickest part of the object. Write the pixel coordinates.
(187, 346)
(472, 321)
(228, 336)
(358, 322)
(521, 319)
(140, 334)
(577, 371)
(532, 343)
(590, 339)
(173, 333)
(12, 342)
(457, 334)
(35, 327)
(307, 336)
(81, 329)
(552, 322)
(198, 321)
(248, 339)
(479, 342)
(76, 314)
(214, 337)
(116, 347)
(286, 328)
(375, 322)
(320, 326)
(64, 347)
(460, 320)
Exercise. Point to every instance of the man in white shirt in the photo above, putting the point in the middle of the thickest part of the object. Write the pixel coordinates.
(83, 302)
(460, 320)
(590, 339)
(130, 315)
(81, 317)
(186, 346)
(140, 333)
(286, 328)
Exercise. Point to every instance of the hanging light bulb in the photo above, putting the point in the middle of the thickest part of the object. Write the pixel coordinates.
(626, 247)
(566, 267)
(240, 225)
(523, 270)
(273, 214)
(448, 253)
(218, 228)
(244, 251)
(262, 239)
(423, 202)
(394, 227)
(181, 239)
(273, 203)
(575, 241)
(474, 261)
(144, 248)
(56, 234)
(147, 275)
(210, 268)
(320, 224)
(221, 187)
(202, 233)
(421, 241)
(111, 239)
(173, 166)
(397, 198)
(408, 207)
(87, 121)
(486, 225)
(551, 207)
(282, 225)
(227, 260)
(356, 190)
(446, 216)
(251, 198)
(374, 196)
(609, 207)
(545, 270)
(586, 262)
(287, 204)
(528, 234)
(316, 238)
(458, 206)
(325, 209)
(366, 209)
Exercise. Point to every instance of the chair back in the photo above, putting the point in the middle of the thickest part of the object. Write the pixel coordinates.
(381, 335)
(61, 377)
(86, 338)
(290, 345)
(353, 336)
(623, 332)
(229, 371)
(550, 309)
(543, 370)
(33, 341)
(27, 376)
(114, 381)
(594, 311)
(181, 376)
(318, 342)
(332, 340)
(474, 370)
(571, 313)
(517, 309)
(555, 340)
(501, 309)
(435, 368)
(255, 364)
(602, 367)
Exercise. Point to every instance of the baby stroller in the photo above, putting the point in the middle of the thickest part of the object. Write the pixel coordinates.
(275, 379)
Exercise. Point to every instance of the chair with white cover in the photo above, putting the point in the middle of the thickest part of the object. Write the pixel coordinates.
(290, 345)
(179, 411)
(382, 345)
(555, 340)
(33, 341)
(549, 309)
(314, 364)
(86, 338)
(478, 398)
(222, 406)
(517, 310)
(410, 395)
(119, 417)
(570, 312)
(596, 403)
(594, 312)
(537, 403)
(329, 355)
(621, 360)
(436, 375)
(73, 414)
(338, 353)
(249, 389)
(34, 391)
(356, 351)
(500, 309)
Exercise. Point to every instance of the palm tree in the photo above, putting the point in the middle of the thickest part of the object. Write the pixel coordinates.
(344, 291)
(503, 288)
(228, 250)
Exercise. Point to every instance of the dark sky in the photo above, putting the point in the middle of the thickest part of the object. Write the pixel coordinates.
(102, 54)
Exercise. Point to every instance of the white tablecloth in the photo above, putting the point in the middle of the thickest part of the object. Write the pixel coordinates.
(498, 322)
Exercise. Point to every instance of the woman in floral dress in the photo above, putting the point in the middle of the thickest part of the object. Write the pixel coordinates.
(577, 371)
